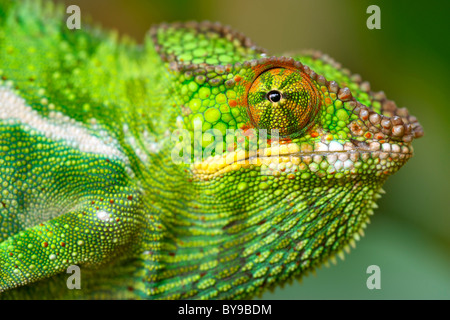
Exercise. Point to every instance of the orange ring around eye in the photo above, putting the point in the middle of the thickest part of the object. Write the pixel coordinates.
(293, 112)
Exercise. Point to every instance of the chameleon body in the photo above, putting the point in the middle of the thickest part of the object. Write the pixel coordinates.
(115, 157)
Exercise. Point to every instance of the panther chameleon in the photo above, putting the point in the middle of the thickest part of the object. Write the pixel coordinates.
(192, 166)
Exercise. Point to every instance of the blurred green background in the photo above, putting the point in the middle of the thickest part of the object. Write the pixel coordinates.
(408, 58)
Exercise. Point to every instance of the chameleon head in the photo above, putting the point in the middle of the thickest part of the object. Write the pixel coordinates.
(287, 155)
(314, 128)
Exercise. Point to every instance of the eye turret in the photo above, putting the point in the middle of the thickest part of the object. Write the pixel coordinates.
(282, 99)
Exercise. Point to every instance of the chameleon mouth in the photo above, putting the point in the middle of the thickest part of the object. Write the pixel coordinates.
(290, 159)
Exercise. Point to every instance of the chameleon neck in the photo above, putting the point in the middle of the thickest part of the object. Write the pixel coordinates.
(206, 233)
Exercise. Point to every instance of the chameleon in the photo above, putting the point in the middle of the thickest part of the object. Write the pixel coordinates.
(191, 166)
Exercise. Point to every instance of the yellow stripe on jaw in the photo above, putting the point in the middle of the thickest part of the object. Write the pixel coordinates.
(214, 166)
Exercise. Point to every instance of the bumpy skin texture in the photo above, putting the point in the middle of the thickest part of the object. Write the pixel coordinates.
(88, 175)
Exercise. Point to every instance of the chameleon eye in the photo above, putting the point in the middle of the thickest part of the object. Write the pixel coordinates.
(282, 99)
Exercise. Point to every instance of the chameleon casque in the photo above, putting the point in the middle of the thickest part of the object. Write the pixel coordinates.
(112, 160)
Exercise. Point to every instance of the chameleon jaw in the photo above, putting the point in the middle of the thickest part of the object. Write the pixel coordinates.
(333, 159)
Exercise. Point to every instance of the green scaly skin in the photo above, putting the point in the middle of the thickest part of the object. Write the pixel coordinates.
(88, 175)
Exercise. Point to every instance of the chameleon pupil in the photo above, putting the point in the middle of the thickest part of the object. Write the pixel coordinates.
(274, 96)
